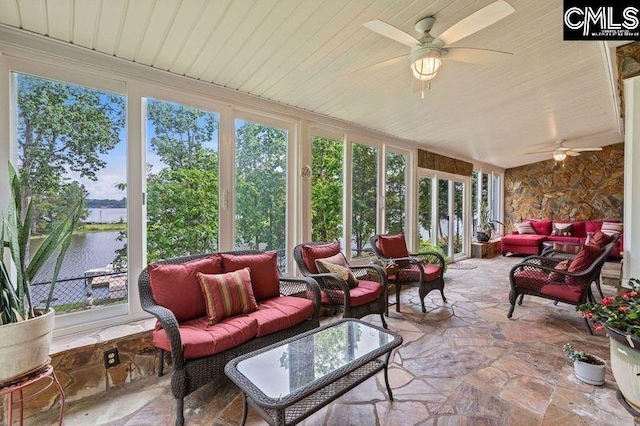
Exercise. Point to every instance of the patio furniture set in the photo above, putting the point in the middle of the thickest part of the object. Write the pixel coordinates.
(235, 314)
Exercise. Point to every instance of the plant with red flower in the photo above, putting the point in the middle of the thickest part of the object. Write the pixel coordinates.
(620, 312)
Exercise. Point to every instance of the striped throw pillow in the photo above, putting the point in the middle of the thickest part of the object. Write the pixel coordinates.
(611, 228)
(524, 228)
(226, 295)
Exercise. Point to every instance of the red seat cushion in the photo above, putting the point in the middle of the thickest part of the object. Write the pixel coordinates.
(367, 291)
(311, 252)
(583, 260)
(569, 293)
(176, 287)
(393, 246)
(199, 339)
(265, 278)
(280, 313)
(227, 294)
(411, 273)
(533, 240)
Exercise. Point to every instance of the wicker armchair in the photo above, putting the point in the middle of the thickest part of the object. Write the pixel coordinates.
(191, 374)
(336, 291)
(423, 270)
(542, 276)
(571, 254)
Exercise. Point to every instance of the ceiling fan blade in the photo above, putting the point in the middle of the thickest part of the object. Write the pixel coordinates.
(572, 153)
(477, 21)
(477, 56)
(391, 32)
(585, 149)
(382, 64)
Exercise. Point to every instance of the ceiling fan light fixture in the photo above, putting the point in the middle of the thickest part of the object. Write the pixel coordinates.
(559, 155)
(425, 63)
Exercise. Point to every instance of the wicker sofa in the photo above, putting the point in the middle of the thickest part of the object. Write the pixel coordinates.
(169, 290)
(531, 244)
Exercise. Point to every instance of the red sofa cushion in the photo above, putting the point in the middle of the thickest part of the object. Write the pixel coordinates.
(542, 227)
(176, 287)
(280, 313)
(579, 229)
(321, 251)
(265, 278)
(524, 239)
(199, 339)
(393, 246)
(227, 295)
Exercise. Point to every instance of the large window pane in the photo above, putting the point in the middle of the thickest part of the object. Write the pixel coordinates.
(363, 199)
(326, 189)
(459, 219)
(261, 188)
(424, 212)
(443, 215)
(71, 139)
(396, 192)
(182, 180)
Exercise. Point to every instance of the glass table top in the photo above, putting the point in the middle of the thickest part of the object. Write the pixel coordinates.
(292, 366)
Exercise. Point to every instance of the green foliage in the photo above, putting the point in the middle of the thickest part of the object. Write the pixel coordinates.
(424, 203)
(426, 246)
(582, 356)
(15, 232)
(396, 192)
(261, 186)
(485, 224)
(620, 312)
(363, 201)
(326, 189)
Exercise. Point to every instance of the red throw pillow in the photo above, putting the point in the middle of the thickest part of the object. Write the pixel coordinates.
(227, 294)
(265, 277)
(583, 260)
(311, 252)
(393, 246)
(562, 266)
(600, 239)
(176, 287)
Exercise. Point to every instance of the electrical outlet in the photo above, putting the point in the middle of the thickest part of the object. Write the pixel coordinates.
(111, 358)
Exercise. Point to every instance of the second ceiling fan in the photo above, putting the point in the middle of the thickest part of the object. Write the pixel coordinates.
(428, 51)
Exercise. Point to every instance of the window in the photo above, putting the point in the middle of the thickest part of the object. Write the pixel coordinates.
(182, 180)
(261, 188)
(71, 139)
(364, 182)
(425, 209)
(396, 190)
(326, 189)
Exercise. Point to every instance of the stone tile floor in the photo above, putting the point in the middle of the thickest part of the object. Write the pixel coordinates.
(461, 363)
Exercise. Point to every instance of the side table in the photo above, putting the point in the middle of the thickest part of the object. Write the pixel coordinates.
(17, 385)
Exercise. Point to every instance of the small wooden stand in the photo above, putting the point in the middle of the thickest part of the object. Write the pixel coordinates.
(17, 385)
(485, 250)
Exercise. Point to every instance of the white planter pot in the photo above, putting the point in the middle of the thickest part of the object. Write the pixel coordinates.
(625, 366)
(24, 346)
(592, 374)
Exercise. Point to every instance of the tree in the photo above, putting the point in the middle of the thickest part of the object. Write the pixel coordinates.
(363, 201)
(182, 210)
(424, 204)
(62, 129)
(261, 186)
(396, 192)
(326, 189)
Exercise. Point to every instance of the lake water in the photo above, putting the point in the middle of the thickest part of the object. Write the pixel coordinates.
(107, 215)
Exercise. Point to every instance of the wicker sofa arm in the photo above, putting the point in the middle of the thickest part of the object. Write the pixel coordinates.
(169, 323)
(302, 287)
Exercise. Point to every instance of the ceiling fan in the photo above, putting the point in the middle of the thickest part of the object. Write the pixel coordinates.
(428, 51)
(560, 152)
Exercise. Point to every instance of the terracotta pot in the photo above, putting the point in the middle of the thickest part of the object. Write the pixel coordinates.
(625, 365)
(24, 346)
(592, 374)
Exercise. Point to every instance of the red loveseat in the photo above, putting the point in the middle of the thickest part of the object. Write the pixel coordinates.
(531, 244)
(203, 330)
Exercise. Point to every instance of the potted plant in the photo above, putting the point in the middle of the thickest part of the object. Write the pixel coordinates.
(485, 226)
(587, 368)
(25, 330)
(620, 315)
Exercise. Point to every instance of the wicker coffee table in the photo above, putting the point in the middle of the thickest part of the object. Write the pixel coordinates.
(288, 381)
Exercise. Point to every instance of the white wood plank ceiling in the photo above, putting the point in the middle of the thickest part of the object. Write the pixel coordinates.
(310, 54)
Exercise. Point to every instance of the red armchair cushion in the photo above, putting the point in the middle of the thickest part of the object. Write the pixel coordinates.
(312, 252)
(199, 339)
(600, 239)
(562, 266)
(176, 287)
(563, 292)
(226, 295)
(583, 260)
(280, 313)
(366, 292)
(393, 246)
(411, 273)
(265, 278)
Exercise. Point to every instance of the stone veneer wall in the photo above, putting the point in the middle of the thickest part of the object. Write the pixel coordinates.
(589, 186)
(82, 373)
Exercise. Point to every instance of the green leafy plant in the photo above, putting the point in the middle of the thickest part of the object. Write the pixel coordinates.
(15, 231)
(620, 312)
(485, 224)
(575, 355)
